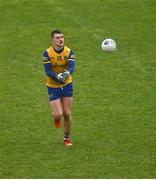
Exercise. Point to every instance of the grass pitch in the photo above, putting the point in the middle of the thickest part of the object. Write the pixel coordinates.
(114, 106)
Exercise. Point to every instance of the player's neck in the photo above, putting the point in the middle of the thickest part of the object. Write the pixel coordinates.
(58, 49)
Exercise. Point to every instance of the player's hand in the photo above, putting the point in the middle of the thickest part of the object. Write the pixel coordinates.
(60, 78)
(66, 74)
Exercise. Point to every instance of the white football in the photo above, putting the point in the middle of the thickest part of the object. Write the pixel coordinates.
(108, 45)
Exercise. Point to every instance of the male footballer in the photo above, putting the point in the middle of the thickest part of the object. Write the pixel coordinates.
(59, 64)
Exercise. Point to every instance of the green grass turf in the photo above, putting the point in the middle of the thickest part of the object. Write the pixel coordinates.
(114, 106)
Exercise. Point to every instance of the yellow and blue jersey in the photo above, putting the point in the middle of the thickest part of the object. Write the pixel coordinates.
(56, 62)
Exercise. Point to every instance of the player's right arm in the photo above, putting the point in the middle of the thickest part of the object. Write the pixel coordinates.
(47, 67)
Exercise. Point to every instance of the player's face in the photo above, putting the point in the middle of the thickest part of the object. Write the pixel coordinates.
(58, 41)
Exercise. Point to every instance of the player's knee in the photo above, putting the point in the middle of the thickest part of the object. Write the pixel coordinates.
(57, 115)
(67, 115)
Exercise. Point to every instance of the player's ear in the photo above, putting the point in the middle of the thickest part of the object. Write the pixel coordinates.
(52, 40)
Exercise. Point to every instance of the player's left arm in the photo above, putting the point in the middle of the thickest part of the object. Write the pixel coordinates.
(71, 65)
(71, 62)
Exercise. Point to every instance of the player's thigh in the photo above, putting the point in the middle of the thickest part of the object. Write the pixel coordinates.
(67, 103)
(56, 106)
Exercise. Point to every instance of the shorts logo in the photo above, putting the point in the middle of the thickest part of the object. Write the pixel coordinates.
(69, 92)
(51, 95)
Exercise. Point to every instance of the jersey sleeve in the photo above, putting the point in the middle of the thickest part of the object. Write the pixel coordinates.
(71, 62)
(71, 56)
(46, 58)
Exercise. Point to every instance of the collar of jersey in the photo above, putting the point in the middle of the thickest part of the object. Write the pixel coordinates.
(58, 51)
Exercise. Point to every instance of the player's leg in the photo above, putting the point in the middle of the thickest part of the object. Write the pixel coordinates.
(56, 107)
(67, 100)
(67, 104)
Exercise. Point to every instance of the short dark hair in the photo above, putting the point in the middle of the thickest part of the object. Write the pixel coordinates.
(56, 31)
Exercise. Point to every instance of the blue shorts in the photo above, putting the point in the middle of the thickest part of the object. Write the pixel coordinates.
(64, 91)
